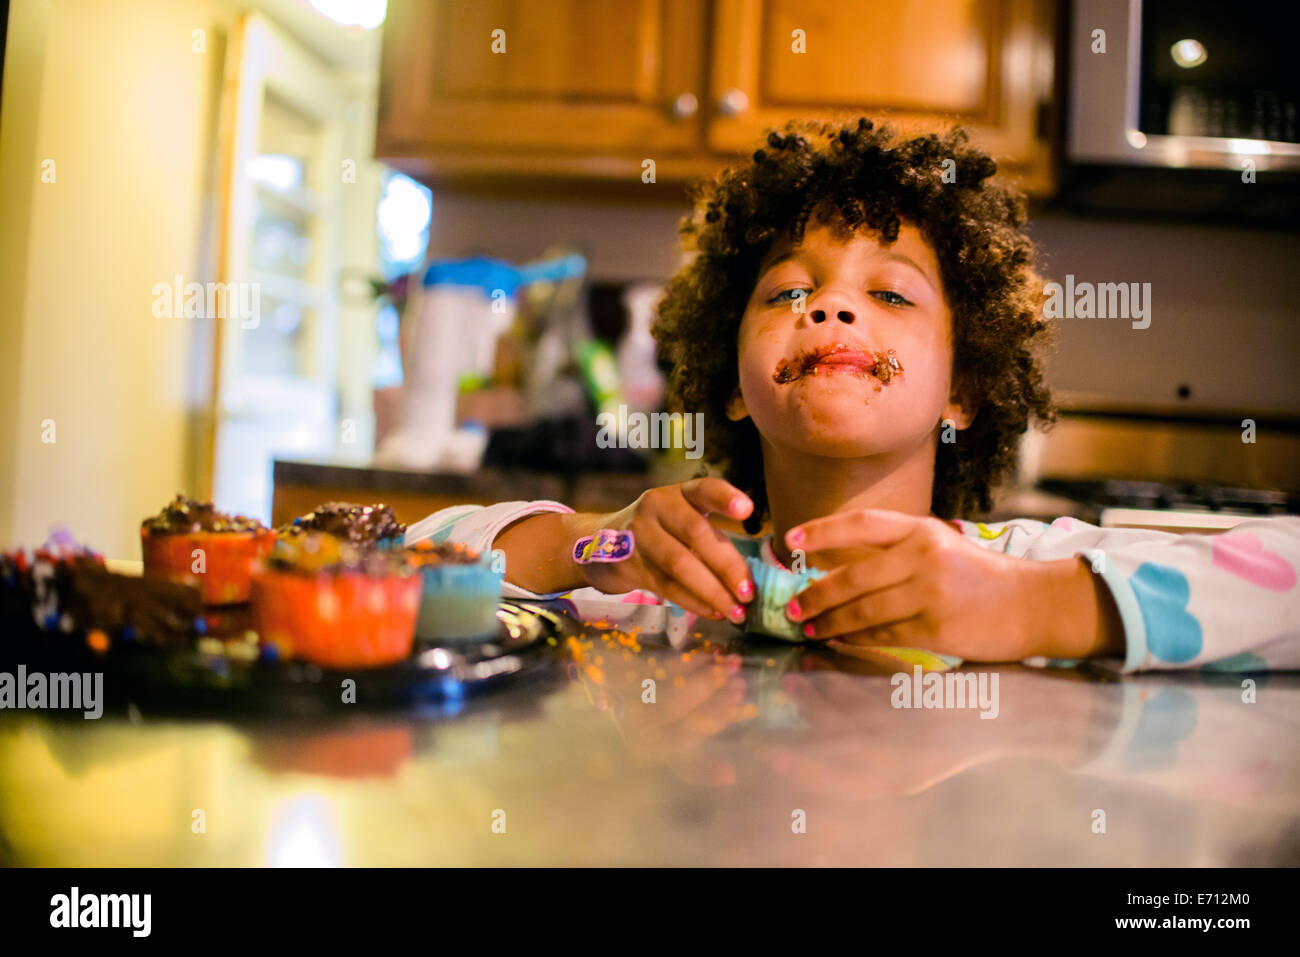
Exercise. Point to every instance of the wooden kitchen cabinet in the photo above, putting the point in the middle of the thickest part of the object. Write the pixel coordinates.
(986, 63)
(590, 89)
(568, 78)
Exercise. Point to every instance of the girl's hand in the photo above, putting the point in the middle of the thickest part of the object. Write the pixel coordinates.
(678, 555)
(922, 584)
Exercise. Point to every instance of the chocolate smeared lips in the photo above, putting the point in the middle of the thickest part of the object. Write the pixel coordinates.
(838, 358)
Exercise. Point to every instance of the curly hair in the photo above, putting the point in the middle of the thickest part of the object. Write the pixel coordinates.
(874, 177)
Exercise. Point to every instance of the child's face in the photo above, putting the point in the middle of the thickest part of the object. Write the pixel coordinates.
(862, 299)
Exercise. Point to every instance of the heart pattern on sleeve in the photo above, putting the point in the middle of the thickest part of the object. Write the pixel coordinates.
(1242, 554)
(1173, 633)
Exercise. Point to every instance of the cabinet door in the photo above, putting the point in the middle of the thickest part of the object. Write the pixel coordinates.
(559, 76)
(986, 63)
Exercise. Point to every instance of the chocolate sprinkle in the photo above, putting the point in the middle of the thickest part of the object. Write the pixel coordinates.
(183, 515)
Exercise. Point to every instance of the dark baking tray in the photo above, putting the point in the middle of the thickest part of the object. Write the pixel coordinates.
(188, 681)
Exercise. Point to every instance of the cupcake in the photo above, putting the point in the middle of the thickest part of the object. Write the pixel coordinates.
(773, 589)
(323, 600)
(460, 592)
(192, 543)
(362, 526)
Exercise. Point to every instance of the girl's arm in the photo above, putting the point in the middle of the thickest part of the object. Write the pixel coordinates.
(678, 555)
(480, 527)
(537, 549)
(1228, 602)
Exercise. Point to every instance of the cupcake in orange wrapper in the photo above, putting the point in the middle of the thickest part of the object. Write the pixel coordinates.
(322, 600)
(191, 543)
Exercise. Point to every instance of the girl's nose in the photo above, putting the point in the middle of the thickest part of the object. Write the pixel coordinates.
(832, 301)
(844, 314)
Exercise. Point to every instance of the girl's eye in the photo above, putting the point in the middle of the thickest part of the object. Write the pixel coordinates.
(891, 298)
(789, 295)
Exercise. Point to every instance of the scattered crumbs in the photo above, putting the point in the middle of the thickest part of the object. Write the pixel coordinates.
(97, 640)
(771, 662)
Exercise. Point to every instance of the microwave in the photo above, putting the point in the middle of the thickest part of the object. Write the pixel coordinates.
(1189, 84)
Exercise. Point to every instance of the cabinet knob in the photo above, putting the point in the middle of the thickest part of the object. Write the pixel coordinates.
(685, 106)
(733, 102)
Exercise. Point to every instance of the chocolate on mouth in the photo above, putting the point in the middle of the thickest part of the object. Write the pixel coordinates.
(881, 365)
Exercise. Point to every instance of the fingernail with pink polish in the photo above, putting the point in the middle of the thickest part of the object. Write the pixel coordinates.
(746, 590)
(808, 630)
(794, 537)
(738, 614)
(792, 610)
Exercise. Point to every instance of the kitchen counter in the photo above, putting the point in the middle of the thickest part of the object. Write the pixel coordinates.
(734, 754)
(301, 486)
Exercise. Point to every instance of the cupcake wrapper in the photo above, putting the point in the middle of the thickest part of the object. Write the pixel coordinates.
(346, 620)
(773, 589)
(458, 602)
(229, 561)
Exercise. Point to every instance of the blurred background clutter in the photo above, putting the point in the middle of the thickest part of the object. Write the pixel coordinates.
(283, 251)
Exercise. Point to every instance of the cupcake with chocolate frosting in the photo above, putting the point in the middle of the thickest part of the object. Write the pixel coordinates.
(192, 543)
(323, 599)
(363, 526)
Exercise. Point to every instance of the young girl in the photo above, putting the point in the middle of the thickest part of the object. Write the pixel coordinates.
(858, 327)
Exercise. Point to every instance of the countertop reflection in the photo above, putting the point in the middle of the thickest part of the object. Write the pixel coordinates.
(727, 752)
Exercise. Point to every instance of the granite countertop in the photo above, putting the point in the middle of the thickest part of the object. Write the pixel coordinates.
(580, 770)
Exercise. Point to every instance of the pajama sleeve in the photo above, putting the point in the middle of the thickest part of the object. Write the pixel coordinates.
(1224, 602)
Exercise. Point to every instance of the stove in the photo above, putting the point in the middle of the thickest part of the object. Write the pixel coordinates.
(1169, 506)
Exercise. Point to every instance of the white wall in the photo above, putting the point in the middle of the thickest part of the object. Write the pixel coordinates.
(127, 112)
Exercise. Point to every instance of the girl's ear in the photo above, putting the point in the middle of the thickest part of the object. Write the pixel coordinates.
(960, 410)
(736, 409)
